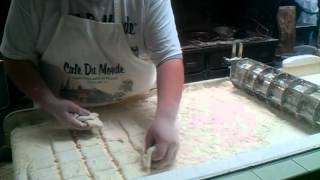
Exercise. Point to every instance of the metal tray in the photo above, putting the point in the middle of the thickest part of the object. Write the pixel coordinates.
(222, 130)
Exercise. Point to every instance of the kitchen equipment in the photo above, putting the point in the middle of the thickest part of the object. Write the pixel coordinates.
(291, 94)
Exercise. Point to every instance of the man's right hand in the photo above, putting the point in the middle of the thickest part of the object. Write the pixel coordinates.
(66, 111)
(28, 79)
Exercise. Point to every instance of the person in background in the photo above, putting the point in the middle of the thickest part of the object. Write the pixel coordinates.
(307, 15)
(71, 54)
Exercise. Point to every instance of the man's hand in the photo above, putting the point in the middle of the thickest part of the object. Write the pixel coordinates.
(65, 111)
(163, 134)
(27, 77)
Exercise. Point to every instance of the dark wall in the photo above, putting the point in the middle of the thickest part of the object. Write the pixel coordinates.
(4, 7)
(195, 13)
(14, 94)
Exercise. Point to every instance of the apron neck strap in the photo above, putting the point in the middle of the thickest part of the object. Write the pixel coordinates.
(116, 4)
(117, 11)
(65, 7)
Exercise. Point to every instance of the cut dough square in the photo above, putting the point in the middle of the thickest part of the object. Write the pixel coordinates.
(62, 141)
(35, 159)
(135, 130)
(129, 157)
(133, 171)
(20, 135)
(39, 163)
(88, 142)
(114, 134)
(125, 121)
(87, 138)
(109, 124)
(138, 139)
(80, 178)
(49, 173)
(61, 146)
(107, 175)
(99, 164)
(68, 156)
(38, 150)
(131, 127)
(38, 145)
(73, 169)
(85, 134)
(119, 146)
(93, 151)
(138, 142)
(61, 135)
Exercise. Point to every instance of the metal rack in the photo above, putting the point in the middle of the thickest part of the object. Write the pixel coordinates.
(295, 96)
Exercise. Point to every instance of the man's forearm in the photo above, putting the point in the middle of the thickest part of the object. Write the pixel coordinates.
(27, 78)
(170, 80)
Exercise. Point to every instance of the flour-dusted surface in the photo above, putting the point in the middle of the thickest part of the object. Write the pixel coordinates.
(215, 120)
(6, 171)
(43, 153)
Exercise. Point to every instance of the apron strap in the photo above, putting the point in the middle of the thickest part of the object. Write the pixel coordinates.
(117, 11)
(65, 7)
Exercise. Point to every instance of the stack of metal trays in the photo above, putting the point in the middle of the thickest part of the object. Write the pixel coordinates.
(281, 90)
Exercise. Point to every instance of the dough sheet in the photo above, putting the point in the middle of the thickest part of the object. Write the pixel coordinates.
(215, 120)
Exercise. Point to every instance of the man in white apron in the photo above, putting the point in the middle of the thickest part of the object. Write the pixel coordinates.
(69, 54)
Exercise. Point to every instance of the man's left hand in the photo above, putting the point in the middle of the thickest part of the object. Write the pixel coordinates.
(163, 134)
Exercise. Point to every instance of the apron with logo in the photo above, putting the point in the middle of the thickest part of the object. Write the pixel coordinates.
(91, 63)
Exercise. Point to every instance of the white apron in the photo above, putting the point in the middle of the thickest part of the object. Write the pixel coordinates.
(92, 64)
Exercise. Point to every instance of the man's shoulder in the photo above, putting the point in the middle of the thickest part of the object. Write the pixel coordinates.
(156, 4)
(152, 2)
(37, 4)
(47, 3)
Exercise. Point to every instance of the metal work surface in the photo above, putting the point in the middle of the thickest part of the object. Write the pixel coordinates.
(221, 129)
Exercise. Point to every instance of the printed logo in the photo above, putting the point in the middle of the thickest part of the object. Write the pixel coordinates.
(89, 69)
(128, 25)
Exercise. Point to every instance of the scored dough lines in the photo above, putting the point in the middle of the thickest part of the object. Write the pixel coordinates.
(81, 153)
(113, 161)
(139, 151)
(56, 162)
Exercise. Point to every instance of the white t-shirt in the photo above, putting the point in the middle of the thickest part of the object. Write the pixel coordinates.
(149, 26)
